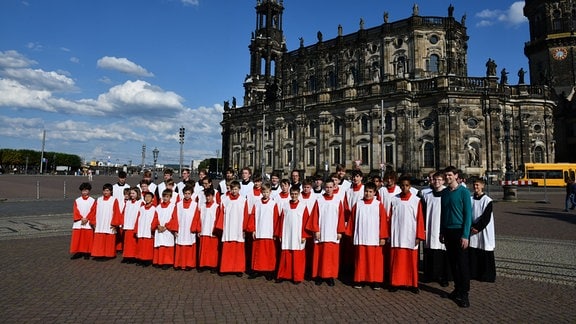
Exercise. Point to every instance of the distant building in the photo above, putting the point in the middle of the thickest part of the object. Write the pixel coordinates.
(552, 59)
(397, 95)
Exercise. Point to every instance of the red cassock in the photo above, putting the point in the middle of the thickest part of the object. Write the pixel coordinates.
(291, 230)
(130, 215)
(232, 221)
(144, 228)
(106, 218)
(208, 249)
(262, 222)
(164, 240)
(185, 224)
(327, 219)
(82, 235)
(406, 227)
(366, 227)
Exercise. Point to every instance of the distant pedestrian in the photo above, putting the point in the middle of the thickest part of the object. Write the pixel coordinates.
(82, 232)
(570, 201)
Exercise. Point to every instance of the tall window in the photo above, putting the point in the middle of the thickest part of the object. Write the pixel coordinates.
(388, 122)
(364, 124)
(312, 83)
(331, 79)
(290, 131)
(312, 130)
(269, 157)
(288, 156)
(389, 150)
(428, 155)
(337, 126)
(336, 155)
(251, 158)
(311, 156)
(294, 87)
(364, 154)
(433, 63)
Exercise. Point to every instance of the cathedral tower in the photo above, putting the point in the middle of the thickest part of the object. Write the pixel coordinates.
(266, 48)
(551, 52)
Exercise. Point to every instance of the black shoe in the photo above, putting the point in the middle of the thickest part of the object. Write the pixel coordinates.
(239, 274)
(124, 260)
(213, 271)
(462, 302)
(76, 256)
(166, 267)
(279, 280)
(444, 283)
(453, 295)
(414, 290)
(375, 286)
(253, 275)
(86, 256)
(269, 276)
(393, 289)
(330, 282)
(318, 281)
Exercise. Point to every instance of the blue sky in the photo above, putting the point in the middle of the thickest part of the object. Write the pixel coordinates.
(104, 77)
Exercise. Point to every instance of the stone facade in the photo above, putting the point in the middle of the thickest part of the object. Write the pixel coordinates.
(391, 96)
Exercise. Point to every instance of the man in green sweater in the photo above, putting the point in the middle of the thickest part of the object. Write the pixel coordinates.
(455, 224)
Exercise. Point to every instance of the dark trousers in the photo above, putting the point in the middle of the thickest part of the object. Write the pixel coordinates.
(458, 260)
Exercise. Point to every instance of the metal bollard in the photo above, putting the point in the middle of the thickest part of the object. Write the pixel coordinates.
(64, 189)
(37, 189)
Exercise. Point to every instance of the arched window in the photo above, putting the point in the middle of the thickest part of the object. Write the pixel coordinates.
(433, 63)
(429, 155)
(538, 154)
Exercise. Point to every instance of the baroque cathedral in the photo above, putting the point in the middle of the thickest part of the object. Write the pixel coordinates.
(394, 96)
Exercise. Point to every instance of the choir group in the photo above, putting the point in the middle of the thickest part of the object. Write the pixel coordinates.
(288, 229)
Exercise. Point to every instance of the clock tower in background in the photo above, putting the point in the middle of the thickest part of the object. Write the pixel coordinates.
(551, 53)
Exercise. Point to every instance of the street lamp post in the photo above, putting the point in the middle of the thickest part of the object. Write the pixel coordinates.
(143, 157)
(181, 141)
(155, 156)
(510, 190)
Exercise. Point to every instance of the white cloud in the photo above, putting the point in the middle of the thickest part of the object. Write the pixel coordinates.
(40, 79)
(74, 59)
(190, 2)
(13, 59)
(513, 16)
(141, 97)
(123, 65)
